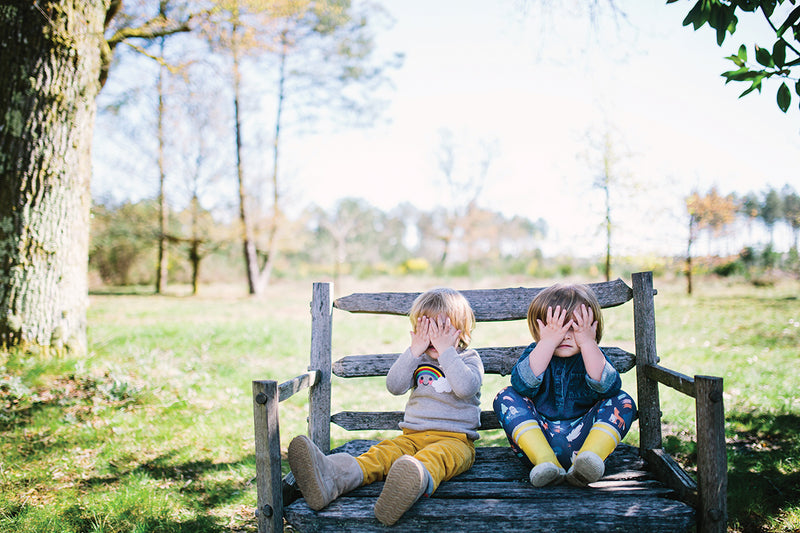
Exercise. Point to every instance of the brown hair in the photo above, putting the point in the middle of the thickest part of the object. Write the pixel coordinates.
(448, 302)
(568, 297)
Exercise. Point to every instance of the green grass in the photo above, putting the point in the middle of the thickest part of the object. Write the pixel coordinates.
(152, 430)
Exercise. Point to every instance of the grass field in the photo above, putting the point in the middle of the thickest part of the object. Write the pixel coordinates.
(152, 430)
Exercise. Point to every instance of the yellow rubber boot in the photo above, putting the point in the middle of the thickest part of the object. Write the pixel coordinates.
(602, 440)
(589, 465)
(530, 439)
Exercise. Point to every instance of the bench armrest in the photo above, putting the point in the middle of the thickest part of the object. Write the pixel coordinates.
(267, 394)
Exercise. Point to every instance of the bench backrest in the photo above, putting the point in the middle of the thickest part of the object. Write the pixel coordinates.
(489, 305)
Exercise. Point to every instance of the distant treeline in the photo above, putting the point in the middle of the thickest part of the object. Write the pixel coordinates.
(356, 238)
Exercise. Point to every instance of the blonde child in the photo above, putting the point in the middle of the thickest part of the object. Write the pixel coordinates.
(439, 423)
(564, 408)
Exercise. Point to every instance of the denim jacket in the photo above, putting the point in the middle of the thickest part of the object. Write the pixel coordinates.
(564, 391)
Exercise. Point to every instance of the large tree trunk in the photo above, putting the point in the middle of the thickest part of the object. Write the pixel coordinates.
(50, 71)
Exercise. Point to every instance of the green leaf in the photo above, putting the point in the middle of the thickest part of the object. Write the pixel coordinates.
(754, 86)
(764, 57)
(742, 53)
(797, 87)
(719, 21)
(784, 97)
(789, 22)
(757, 78)
(698, 15)
(732, 25)
(748, 5)
(779, 53)
(737, 75)
(736, 59)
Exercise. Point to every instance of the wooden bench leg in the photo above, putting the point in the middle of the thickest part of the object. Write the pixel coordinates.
(712, 458)
(268, 457)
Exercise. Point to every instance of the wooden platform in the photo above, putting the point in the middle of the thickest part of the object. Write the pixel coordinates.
(627, 498)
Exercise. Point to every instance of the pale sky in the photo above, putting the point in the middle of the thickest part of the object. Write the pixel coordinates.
(535, 83)
(509, 73)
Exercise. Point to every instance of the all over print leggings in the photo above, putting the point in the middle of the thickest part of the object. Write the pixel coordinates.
(565, 436)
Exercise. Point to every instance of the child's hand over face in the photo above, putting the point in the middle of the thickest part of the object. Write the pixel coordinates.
(584, 326)
(420, 337)
(554, 331)
(443, 335)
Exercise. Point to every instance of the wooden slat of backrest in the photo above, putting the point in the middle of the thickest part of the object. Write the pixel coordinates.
(383, 420)
(498, 360)
(487, 304)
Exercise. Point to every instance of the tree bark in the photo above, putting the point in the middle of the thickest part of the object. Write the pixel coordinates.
(50, 70)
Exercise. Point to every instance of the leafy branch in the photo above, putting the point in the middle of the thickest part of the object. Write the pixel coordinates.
(721, 16)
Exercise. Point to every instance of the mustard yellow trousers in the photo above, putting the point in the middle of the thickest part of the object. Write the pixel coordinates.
(444, 454)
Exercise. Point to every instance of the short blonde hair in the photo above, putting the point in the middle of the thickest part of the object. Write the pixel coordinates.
(568, 297)
(448, 302)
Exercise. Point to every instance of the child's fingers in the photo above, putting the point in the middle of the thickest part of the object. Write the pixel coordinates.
(583, 315)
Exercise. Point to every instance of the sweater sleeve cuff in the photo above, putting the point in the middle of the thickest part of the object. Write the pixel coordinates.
(527, 376)
(607, 379)
(448, 356)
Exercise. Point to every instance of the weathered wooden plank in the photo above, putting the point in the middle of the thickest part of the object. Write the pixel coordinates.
(487, 304)
(496, 360)
(669, 472)
(522, 489)
(382, 420)
(597, 512)
(712, 459)
(498, 463)
(289, 388)
(644, 326)
(671, 378)
(319, 396)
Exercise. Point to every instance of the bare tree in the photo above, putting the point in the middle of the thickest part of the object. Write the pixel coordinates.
(163, 209)
(322, 53)
(464, 179)
(607, 161)
(196, 135)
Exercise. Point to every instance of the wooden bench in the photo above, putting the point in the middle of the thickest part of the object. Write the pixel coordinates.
(643, 489)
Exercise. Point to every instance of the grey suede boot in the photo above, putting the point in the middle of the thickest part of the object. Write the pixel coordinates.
(322, 478)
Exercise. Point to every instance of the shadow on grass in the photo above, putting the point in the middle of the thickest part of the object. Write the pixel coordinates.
(188, 478)
(763, 469)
